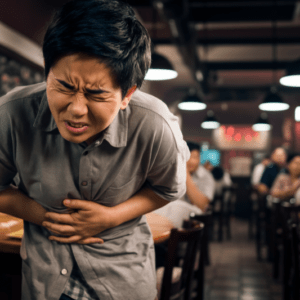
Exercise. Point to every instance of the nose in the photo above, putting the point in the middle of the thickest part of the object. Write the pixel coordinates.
(78, 107)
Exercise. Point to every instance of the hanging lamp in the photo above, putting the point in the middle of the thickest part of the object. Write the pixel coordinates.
(273, 102)
(192, 102)
(262, 123)
(161, 69)
(210, 121)
(292, 77)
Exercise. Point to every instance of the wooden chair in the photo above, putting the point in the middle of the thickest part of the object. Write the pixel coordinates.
(206, 219)
(276, 241)
(177, 280)
(294, 228)
(222, 211)
(291, 215)
(204, 260)
(262, 216)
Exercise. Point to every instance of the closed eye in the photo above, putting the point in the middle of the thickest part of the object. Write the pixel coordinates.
(66, 85)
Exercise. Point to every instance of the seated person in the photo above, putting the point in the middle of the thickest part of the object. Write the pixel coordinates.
(222, 179)
(200, 184)
(277, 165)
(258, 171)
(287, 186)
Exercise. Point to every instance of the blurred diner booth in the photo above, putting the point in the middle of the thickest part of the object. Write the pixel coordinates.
(234, 78)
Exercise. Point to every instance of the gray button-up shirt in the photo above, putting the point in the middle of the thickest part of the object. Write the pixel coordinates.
(142, 146)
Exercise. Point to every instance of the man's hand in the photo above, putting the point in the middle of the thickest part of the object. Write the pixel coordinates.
(81, 224)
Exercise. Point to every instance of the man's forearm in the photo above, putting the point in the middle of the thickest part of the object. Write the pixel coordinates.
(141, 203)
(15, 203)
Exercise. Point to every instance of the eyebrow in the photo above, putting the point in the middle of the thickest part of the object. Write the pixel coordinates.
(71, 87)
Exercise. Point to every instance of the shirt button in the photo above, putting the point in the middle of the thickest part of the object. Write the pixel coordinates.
(64, 271)
(84, 183)
(97, 143)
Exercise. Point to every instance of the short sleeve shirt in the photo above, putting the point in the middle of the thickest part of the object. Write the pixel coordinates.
(205, 183)
(143, 146)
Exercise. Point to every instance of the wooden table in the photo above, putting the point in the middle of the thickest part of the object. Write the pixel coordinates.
(159, 225)
(9, 224)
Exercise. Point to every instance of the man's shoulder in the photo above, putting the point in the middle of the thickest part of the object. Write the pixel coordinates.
(149, 104)
(21, 93)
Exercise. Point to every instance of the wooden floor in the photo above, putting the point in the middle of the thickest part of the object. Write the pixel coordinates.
(234, 272)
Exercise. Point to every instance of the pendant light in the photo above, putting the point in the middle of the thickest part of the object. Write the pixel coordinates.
(161, 68)
(292, 77)
(297, 114)
(262, 123)
(192, 102)
(210, 121)
(272, 101)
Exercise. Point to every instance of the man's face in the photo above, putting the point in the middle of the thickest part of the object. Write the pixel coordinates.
(193, 163)
(279, 157)
(83, 97)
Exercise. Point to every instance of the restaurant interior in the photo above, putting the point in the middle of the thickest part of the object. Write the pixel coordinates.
(229, 62)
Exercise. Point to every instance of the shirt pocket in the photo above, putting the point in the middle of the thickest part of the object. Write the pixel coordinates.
(118, 194)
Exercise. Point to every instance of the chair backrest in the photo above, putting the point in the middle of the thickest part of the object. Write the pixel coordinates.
(290, 219)
(204, 258)
(189, 240)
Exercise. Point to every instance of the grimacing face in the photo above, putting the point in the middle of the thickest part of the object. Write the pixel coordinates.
(193, 163)
(83, 97)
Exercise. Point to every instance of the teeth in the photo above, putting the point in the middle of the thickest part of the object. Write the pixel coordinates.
(76, 125)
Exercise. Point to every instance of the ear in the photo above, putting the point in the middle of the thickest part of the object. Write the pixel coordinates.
(127, 98)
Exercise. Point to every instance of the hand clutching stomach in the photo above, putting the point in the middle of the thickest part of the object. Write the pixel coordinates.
(84, 220)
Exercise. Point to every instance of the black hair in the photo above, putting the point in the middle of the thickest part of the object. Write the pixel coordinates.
(107, 29)
(193, 146)
(291, 156)
(217, 173)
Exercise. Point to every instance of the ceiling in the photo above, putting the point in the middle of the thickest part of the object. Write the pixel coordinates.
(230, 51)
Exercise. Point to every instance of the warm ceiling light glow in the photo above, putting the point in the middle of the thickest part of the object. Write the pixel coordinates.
(261, 127)
(161, 68)
(210, 124)
(290, 80)
(160, 74)
(210, 121)
(297, 114)
(273, 106)
(191, 102)
(192, 105)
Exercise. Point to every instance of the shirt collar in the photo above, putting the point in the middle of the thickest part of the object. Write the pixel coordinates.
(44, 119)
(116, 133)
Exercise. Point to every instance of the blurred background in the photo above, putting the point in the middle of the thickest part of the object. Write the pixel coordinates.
(227, 54)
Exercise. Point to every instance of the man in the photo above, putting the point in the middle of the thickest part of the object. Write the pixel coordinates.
(200, 184)
(92, 157)
(278, 162)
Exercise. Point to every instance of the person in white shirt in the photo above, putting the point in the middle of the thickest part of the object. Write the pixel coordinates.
(200, 184)
(258, 171)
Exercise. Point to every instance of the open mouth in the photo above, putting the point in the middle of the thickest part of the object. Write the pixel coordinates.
(76, 127)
